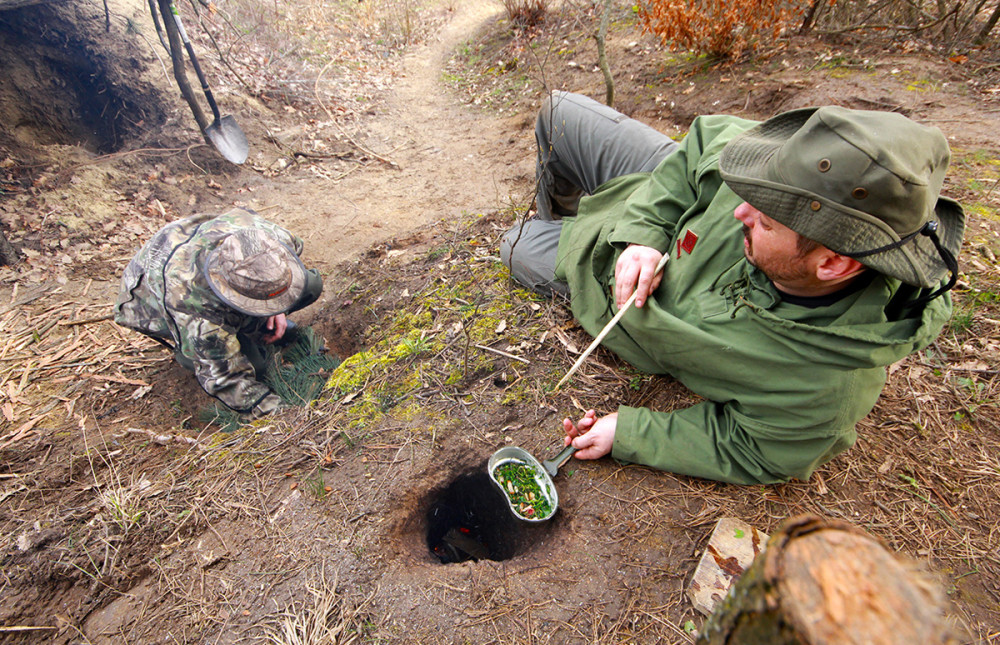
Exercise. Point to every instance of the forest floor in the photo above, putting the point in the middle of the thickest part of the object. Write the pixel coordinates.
(127, 518)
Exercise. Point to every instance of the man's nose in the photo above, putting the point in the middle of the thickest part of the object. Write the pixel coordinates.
(744, 213)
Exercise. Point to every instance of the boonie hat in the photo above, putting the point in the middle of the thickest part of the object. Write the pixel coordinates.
(864, 184)
(254, 273)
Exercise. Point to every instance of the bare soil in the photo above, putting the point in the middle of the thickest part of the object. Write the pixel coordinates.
(126, 519)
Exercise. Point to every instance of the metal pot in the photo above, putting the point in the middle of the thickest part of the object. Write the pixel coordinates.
(543, 476)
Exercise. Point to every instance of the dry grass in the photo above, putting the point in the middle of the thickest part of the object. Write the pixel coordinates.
(326, 618)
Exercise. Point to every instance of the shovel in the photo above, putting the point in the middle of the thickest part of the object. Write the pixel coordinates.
(223, 133)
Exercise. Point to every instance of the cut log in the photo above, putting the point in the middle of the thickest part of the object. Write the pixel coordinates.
(822, 582)
(731, 548)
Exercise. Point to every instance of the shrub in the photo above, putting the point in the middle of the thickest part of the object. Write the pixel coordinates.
(525, 14)
(719, 28)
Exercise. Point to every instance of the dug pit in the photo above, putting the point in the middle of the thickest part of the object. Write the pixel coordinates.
(469, 519)
(70, 78)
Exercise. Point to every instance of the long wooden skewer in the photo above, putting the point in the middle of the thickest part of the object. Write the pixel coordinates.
(607, 328)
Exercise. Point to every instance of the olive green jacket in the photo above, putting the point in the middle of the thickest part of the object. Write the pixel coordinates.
(784, 384)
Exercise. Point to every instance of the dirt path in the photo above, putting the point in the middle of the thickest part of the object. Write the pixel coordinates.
(449, 159)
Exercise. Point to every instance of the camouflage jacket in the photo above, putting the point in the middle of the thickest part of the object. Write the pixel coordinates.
(164, 294)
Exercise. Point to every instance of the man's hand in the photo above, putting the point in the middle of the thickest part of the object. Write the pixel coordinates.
(277, 326)
(592, 437)
(636, 271)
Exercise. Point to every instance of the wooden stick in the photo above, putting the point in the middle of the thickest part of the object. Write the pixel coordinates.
(87, 321)
(607, 328)
(497, 351)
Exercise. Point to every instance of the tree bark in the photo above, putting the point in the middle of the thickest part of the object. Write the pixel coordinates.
(602, 56)
(980, 39)
(810, 18)
(822, 582)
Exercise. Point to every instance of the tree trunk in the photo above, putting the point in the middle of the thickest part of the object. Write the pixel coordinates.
(980, 39)
(602, 56)
(8, 254)
(812, 14)
(824, 582)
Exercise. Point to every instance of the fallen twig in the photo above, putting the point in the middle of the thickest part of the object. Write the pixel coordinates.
(497, 351)
(86, 321)
(164, 439)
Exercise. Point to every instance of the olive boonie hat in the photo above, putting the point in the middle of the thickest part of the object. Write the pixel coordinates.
(864, 184)
(254, 273)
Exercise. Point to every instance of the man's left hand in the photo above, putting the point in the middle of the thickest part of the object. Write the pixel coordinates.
(276, 325)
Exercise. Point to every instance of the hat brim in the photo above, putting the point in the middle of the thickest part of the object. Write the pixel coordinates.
(746, 161)
(253, 306)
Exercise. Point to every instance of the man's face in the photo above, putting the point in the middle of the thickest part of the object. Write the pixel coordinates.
(773, 248)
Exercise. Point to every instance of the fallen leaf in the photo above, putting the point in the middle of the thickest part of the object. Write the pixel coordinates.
(141, 392)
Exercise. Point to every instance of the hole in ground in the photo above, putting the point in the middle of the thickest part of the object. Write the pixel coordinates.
(65, 81)
(468, 519)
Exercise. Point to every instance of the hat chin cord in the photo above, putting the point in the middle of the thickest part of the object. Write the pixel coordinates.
(930, 230)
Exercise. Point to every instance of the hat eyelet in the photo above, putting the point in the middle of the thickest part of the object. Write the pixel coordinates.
(823, 165)
(859, 193)
(815, 205)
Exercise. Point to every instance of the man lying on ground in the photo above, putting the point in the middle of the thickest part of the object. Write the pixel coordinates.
(807, 252)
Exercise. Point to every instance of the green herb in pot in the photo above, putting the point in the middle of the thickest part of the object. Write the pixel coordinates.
(518, 481)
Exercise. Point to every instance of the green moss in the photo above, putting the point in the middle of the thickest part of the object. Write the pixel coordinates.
(982, 210)
(515, 393)
(922, 85)
(432, 344)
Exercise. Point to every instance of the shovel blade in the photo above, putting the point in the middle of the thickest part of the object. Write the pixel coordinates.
(227, 137)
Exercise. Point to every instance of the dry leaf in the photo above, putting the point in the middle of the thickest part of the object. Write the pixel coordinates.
(501, 327)
(141, 392)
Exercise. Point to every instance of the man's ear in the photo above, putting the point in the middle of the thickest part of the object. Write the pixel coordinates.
(834, 266)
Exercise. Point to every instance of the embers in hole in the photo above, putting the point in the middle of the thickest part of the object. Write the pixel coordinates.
(469, 520)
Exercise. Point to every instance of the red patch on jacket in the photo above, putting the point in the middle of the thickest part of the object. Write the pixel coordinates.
(687, 243)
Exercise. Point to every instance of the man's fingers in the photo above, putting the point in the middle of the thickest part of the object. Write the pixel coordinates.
(583, 442)
(642, 289)
(585, 447)
(625, 283)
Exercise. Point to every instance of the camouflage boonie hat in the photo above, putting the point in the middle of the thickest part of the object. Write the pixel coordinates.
(254, 273)
(864, 184)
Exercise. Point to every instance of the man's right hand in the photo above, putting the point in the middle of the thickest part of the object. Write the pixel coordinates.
(636, 271)
(592, 437)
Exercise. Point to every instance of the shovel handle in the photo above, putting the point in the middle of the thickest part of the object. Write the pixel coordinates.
(194, 61)
(553, 465)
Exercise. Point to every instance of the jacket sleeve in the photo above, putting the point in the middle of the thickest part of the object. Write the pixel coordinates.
(686, 179)
(220, 367)
(708, 440)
